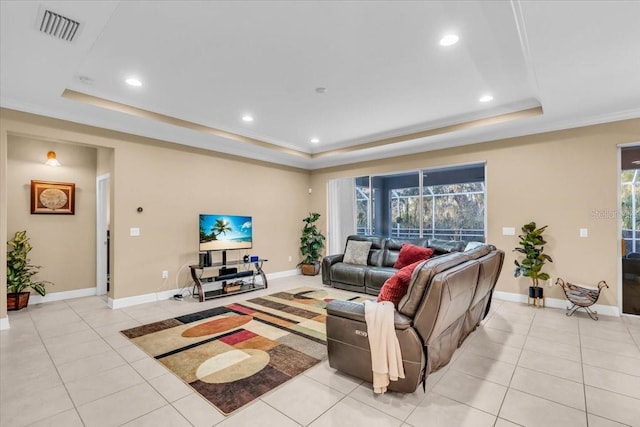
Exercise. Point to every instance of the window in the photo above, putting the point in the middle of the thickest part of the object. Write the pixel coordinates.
(363, 205)
(630, 210)
(447, 203)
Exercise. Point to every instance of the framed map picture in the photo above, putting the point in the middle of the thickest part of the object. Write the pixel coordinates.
(53, 197)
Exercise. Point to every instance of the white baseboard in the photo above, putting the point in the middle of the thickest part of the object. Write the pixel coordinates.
(129, 301)
(59, 296)
(281, 274)
(141, 299)
(605, 310)
(4, 323)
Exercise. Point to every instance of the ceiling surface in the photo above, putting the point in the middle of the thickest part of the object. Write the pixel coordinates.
(368, 79)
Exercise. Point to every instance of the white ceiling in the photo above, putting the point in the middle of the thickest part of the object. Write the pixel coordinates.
(206, 64)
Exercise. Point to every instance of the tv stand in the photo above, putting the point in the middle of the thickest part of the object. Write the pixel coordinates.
(202, 278)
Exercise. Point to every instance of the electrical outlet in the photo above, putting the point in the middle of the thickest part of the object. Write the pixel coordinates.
(289, 258)
(165, 274)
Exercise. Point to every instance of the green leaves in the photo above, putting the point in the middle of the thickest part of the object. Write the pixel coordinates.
(311, 240)
(532, 247)
(19, 267)
(543, 276)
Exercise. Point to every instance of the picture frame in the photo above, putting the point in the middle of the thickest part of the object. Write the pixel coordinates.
(58, 198)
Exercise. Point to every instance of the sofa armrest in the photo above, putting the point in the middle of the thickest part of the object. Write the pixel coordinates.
(355, 311)
(327, 262)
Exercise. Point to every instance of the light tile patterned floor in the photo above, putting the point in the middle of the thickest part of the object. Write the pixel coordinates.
(65, 364)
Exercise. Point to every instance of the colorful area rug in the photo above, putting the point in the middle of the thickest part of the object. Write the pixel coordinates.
(233, 354)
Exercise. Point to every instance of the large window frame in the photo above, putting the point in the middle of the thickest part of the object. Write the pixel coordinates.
(407, 204)
(630, 186)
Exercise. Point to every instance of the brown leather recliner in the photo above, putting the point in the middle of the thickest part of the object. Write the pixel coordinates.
(447, 298)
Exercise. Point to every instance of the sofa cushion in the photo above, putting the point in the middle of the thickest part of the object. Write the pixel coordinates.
(375, 277)
(410, 254)
(392, 249)
(446, 246)
(349, 274)
(479, 251)
(422, 279)
(357, 252)
(472, 245)
(396, 286)
(377, 247)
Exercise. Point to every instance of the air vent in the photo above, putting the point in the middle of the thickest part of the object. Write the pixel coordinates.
(59, 26)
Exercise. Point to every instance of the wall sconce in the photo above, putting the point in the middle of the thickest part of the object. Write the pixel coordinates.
(51, 159)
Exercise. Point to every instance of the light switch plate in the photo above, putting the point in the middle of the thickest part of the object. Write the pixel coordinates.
(134, 231)
(508, 231)
(584, 232)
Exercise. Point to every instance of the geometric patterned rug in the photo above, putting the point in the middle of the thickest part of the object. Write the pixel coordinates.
(233, 354)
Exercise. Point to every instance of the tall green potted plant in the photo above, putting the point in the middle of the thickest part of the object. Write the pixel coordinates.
(532, 247)
(20, 272)
(311, 244)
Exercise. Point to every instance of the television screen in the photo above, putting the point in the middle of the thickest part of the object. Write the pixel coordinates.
(222, 232)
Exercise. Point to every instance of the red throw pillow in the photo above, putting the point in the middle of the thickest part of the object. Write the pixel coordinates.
(411, 253)
(396, 286)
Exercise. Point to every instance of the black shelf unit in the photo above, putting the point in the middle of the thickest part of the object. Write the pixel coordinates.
(201, 279)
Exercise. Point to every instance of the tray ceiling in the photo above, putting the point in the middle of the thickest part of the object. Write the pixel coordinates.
(366, 79)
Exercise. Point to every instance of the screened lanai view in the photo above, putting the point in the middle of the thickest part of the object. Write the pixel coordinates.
(630, 210)
(446, 203)
(630, 225)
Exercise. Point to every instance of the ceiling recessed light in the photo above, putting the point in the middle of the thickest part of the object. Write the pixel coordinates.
(247, 118)
(132, 81)
(448, 40)
(321, 90)
(486, 98)
(315, 140)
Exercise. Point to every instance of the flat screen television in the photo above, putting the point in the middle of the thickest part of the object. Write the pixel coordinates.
(225, 232)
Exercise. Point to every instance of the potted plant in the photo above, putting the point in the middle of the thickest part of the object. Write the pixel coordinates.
(311, 244)
(532, 247)
(20, 272)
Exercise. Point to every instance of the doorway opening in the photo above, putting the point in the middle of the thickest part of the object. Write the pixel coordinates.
(102, 234)
(630, 228)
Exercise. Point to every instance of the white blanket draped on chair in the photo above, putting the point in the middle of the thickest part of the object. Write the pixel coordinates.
(386, 358)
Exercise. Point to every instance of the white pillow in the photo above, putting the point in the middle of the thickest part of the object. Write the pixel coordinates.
(472, 245)
(357, 252)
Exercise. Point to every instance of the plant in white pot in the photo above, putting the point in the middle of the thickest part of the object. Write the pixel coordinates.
(311, 244)
(532, 247)
(20, 272)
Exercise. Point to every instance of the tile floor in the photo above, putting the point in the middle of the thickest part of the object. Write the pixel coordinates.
(65, 364)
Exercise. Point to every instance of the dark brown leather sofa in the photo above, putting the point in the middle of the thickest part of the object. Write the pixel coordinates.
(447, 298)
(383, 254)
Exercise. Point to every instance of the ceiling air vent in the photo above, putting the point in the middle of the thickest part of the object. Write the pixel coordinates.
(59, 26)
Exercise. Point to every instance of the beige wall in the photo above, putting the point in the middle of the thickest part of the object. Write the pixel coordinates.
(64, 245)
(173, 187)
(104, 160)
(173, 184)
(557, 179)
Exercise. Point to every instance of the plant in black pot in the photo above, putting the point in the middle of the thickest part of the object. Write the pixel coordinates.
(531, 246)
(311, 244)
(20, 272)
